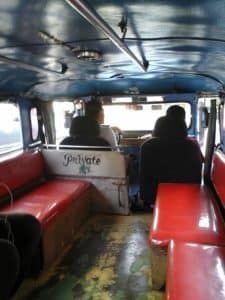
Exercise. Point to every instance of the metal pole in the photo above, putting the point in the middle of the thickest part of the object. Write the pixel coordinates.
(28, 66)
(92, 16)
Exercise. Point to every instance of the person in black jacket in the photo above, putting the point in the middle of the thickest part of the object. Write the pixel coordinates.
(170, 156)
(94, 109)
(84, 131)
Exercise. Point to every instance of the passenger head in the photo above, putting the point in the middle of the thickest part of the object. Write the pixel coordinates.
(160, 127)
(176, 112)
(84, 126)
(93, 109)
(167, 128)
(176, 116)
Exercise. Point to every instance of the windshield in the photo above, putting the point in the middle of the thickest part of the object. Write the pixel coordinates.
(139, 117)
(136, 117)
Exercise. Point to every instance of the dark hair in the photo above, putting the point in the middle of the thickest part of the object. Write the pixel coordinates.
(170, 128)
(160, 127)
(93, 108)
(83, 125)
(176, 112)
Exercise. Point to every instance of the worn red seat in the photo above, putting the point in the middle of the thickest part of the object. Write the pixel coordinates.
(21, 170)
(48, 200)
(186, 212)
(59, 204)
(195, 271)
(183, 212)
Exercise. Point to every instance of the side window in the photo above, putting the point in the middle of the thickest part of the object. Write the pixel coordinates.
(63, 112)
(10, 127)
(223, 128)
(34, 123)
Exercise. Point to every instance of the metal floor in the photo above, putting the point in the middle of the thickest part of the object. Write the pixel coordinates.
(109, 260)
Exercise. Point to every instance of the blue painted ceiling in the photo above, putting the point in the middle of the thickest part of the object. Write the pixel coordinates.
(183, 42)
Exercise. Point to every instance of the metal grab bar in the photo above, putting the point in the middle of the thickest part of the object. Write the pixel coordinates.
(93, 17)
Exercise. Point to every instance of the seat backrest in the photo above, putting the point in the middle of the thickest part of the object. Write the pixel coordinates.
(97, 142)
(218, 175)
(19, 170)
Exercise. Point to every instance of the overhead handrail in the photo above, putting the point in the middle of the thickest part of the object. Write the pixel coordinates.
(30, 67)
(94, 18)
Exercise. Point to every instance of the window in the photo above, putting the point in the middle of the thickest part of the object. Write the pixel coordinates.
(222, 140)
(10, 127)
(34, 123)
(63, 112)
(139, 116)
(127, 116)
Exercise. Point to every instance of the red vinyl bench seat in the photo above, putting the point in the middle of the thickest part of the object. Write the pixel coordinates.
(186, 212)
(48, 200)
(195, 271)
(59, 204)
(20, 170)
(187, 217)
(183, 212)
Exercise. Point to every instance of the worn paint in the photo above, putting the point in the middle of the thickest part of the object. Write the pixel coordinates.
(108, 261)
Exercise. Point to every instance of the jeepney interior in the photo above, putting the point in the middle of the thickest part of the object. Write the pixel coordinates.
(137, 58)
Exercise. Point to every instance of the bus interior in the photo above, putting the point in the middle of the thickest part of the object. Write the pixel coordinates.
(98, 239)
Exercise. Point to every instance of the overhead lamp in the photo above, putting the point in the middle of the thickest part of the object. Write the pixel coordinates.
(88, 55)
(95, 19)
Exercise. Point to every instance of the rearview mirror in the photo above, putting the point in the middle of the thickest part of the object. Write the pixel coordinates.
(134, 106)
(68, 119)
(204, 117)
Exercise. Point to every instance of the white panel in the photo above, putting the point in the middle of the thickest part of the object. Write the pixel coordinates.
(111, 196)
(106, 170)
(85, 163)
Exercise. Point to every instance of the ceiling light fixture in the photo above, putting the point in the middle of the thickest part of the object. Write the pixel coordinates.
(96, 20)
(88, 55)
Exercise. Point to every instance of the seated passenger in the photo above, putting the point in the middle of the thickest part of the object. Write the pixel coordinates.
(93, 109)
(166, 127)
(176, 114)
(168, 157)
(84, 131)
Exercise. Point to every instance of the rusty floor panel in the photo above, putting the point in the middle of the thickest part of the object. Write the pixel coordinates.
(109, 260)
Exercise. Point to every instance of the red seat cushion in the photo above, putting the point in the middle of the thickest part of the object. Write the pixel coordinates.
(218, 175)
(49, 199)
(195, 272)
(186, 212)
(21, 169)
